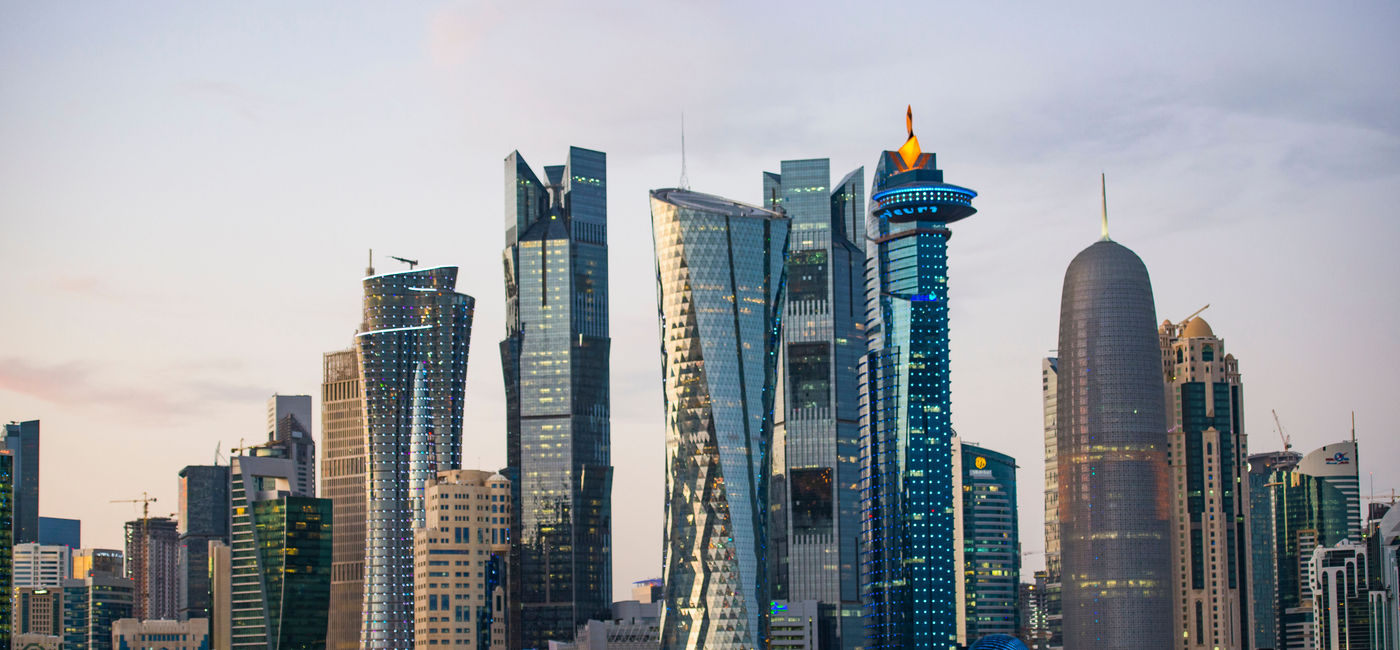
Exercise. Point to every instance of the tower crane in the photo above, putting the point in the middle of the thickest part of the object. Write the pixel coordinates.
(409, 262)
(1287, 440)
(146, 500)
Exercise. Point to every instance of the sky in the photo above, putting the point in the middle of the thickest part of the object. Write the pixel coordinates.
(188, 193)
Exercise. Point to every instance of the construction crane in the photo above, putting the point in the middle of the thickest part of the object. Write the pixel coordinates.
(146, 500)
(410, 263)
(1287, 440)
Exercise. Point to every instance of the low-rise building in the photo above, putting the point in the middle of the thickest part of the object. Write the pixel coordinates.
(132, 634)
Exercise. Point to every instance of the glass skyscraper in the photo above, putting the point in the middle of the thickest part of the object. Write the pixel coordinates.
(22, 439)
(719, 273)
(911, 557)
(204, 516)
(1263, 545)
(1115, 537)
(413, 363)
(555, 364)
(815, 523)
(991, 543)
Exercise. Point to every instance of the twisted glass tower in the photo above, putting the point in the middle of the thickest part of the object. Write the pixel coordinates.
(1115, 553)
(719, 275)
(911, 569)
(555, 364)
(413, 361)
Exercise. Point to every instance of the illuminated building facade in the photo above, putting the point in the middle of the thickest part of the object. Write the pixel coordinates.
(991, 542)
(343, 482)
(911, 552)
(1210, 509)
(555, 364)
(91, 605)
(1115, 537)
(815, 550)
(462, 561)
(719, 273)
(413, 363)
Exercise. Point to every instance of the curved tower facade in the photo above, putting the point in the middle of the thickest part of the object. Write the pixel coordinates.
(719, 275)
(413, 361)
(911, 554)
(1112, 452)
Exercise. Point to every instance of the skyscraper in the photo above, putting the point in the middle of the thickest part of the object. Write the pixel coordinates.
(1050, 388)
(152, 553)
(719, 273)
(289, 425)
(343, 482)
(1340, 577)
(40, 565)
(911, 556)
(1115, 551)
(1209, 488)
(461, 561)
(815, 549)
(991, 542)
(1264, 504)
(7, 528)
(64, 532)
(22, 439)
(555, 364)
(91, 605)
(204, 516)
(413, 362)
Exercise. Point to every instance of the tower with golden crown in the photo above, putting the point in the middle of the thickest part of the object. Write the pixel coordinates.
(911, 555)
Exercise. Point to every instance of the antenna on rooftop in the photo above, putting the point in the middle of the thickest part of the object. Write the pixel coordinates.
(1103, 189)
(370, 269)
(685, 178)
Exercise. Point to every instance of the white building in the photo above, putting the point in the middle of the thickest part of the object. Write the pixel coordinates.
(635, 626)
(41, 565)
(460, 561)
(794, 625)
(1340, 596)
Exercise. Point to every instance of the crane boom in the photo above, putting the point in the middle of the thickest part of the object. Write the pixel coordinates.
(1287, 441)
(146, 500)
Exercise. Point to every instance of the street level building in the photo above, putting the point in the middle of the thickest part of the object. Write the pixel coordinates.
(133, 634)
(461, 562)
(719, 273)
(816, 547)
(343, 482)
(911, 554)
(555, 365)
(1115, 537)
(413, 366)
(991, 542)
(152, 561)
(1207, 448)
(204, 517)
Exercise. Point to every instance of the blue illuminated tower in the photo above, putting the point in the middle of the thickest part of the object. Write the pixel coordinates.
(911, 558)
(413, 361)
(555, 365)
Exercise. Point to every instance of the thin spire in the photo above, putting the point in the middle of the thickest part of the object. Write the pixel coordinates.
(370, 269)
(1103, 189)
(685, 178)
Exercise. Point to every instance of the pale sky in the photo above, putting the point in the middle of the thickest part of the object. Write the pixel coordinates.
(187, 194)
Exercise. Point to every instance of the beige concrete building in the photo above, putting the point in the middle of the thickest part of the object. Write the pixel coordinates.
(460, 559)
(343, 482)
(221, 595)
(1207, 455)
(132, 634)
(38, 612)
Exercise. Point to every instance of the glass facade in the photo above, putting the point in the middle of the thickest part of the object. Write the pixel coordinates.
(343, 482)
(1050, 387)
(413, 366)
(90, 606)
(22, 439)
(1206, 455)
(555, 364)
(719, 272)
(815, 486)
(911, 556)
(294, 555)
(991, 543)
(1263, 547)
(7, 543)
(1115, 539)
(204, 516)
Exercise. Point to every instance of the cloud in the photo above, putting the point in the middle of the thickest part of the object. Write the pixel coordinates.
(453, 33)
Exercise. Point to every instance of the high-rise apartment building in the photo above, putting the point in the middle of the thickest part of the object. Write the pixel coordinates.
(816, 475)
(152, 561)
(719, 273)
(1341, 594)
(204, 517)
(91, 605)
(1035, 628)
(1207, 451)
(22, 440)
(7, 536)
(61, 531)
(1315, 504)
(97, 561)
(555, 363)
(289, 425)
(40, 565)
(280, 553)
(1115, 536)
(991, 542)
(462, 561)
(343, 482)
(1049, 389)
(413, 366)
(1383, 549)
(911, 554)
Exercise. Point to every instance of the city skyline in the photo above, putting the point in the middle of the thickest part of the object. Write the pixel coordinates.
(1244, 137)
